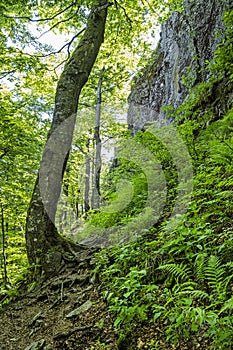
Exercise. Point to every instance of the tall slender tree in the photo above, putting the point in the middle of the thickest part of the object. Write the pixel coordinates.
(97, 141)
(87, 178)
(3, 241)
(45, 247)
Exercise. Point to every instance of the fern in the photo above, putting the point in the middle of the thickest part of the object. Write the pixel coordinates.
(215, 274)
(196, 294)
(229, 266)
(199, 266)
(199, 315)
(228, 305)
(189, 285)
(179, 271)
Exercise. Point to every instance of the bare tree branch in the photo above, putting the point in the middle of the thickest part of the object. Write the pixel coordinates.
(54, 52)
(55, 25)
(126, 14)
(42, 19)
(5, 74)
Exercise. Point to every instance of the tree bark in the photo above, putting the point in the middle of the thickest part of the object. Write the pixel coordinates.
(4, 258)
(45, 247)
(87, 180)
(97, 139)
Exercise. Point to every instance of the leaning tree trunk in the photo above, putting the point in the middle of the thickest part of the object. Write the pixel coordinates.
(45, 247)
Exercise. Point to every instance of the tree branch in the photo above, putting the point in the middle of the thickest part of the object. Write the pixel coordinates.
(55, 25)
(55, 52)
(5, 74)
(42, 19)
(105, 6)
(126, 14)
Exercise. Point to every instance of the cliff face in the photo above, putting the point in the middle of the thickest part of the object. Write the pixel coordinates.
(187, 41)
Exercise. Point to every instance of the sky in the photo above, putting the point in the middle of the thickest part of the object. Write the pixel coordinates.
(58, 40)
(48, 37)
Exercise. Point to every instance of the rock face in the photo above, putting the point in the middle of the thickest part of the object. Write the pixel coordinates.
(188, 40)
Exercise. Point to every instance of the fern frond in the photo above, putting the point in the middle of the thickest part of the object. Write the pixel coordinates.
(215, 272)
(229, 266)
(225, 282)
(228, 305)
(189, 285)
(180, 271)
(200, 315)
(196, 294)
(185, 286)
(199, 266)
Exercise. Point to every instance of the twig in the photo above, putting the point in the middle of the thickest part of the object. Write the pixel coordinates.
(54, 52)
(56, 24)
(42, 19)
(5, 74)
(67, 44)
(62, 287)
(126, 14)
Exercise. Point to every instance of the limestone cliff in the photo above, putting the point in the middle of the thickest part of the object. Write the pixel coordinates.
(187, 41)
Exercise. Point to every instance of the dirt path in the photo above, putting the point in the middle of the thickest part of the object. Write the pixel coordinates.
(66, 312)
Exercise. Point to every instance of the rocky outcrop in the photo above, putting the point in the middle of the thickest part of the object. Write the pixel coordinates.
(188, 40)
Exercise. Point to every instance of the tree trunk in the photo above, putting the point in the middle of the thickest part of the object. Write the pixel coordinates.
(4, 259)
(97, 139)
(45, 247)
(87, 180)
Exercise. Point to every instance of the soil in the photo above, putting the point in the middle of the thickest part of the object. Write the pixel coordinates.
(42, 315)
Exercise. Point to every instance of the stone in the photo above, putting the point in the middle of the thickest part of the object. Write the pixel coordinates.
(48, 347)
(37, 317)
(37, 345)
(187, 41)
(84, 307)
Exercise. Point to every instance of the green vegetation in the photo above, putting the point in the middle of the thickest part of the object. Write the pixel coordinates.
(182, 280)
(19, 161)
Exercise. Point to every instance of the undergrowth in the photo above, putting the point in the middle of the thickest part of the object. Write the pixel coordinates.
(182, 280)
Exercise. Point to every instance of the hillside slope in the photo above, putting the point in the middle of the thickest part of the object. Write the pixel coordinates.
(171, 288)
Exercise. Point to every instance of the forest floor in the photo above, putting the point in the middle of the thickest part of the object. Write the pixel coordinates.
(68, 312)
(64, 312)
